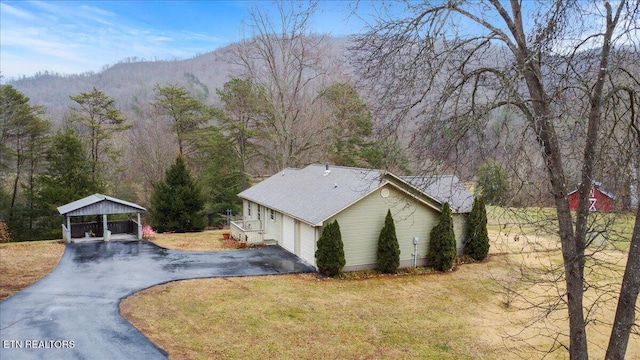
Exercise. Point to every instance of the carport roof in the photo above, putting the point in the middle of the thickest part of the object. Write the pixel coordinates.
(98, 204)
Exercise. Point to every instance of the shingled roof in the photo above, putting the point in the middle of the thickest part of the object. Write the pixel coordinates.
(445, 188)
(314, 194)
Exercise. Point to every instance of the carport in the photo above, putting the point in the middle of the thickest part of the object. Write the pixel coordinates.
(100, 207)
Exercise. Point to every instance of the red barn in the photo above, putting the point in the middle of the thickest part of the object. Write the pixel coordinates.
(600, 199)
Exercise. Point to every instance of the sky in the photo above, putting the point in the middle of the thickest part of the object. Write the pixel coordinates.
(74, 37)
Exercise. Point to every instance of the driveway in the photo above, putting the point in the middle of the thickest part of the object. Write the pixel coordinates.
(73, 312)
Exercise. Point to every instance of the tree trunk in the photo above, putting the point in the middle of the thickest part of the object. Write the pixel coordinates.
(625, 313)
(572, 251)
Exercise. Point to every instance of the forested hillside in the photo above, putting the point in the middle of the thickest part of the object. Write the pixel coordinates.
(274, 101)
(235, 114)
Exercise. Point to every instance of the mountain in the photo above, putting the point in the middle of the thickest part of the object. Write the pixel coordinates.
(131, 82)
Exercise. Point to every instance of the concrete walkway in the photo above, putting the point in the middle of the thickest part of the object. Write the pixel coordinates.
(73, 312)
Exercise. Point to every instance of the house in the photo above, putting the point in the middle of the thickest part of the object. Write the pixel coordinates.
(600, 199)
(101, 206)
(291, 208)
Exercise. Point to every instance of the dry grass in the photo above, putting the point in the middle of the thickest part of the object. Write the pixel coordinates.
(305, 317)
(534, 229)
(480, 311)
(210, 240)
(457, 315)
(22, 264)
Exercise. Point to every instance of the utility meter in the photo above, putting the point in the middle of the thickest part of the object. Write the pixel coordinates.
(415, 240)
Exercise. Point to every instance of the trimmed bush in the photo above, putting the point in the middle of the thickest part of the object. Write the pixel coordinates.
(177, 202)
(388, 255)
(330, 252)
(442, 244)
(477, 246)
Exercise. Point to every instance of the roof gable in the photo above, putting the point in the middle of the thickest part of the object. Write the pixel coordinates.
(445, 188)
(315, 193)
(98, 204)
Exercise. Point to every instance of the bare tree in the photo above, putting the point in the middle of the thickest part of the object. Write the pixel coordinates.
(150, 151)
(286, 60)
(558, 66)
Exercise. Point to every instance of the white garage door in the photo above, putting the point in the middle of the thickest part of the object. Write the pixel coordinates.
(307, 243)
(288, 234)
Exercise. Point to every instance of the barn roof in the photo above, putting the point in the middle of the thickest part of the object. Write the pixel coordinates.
(98, 204)
(597, 184)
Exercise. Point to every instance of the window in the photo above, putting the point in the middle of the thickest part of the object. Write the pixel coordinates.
(272, 215)
(259, 212)
(249, 209)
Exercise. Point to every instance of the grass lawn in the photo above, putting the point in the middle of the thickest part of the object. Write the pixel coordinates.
(479, 311)
(536, 229)
(23, 263)
(306, 317)
(456, 315)
(210, 240)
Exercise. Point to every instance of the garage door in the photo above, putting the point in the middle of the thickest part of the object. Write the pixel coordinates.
(288, 234)
(307, 243)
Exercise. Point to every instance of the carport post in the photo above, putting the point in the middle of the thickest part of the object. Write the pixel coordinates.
(68, 234)
(139, 228)
(105, 227)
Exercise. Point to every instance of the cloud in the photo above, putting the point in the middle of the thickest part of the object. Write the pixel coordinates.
(67, 37)
(12, 11)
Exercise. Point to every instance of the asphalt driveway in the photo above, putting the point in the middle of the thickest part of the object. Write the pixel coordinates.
(73, 312)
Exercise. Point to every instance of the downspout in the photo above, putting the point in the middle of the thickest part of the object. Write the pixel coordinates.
(415, 251)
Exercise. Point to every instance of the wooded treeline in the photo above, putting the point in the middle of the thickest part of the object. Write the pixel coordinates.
(98, 150)
(291, 99)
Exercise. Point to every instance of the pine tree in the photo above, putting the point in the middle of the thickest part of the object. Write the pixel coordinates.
(492, 183)
(186, 112)
(67, 178)
(99, 119)
(477, 245)
(330, 253)
(442, 246)
(388, 256)
(177, 202)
